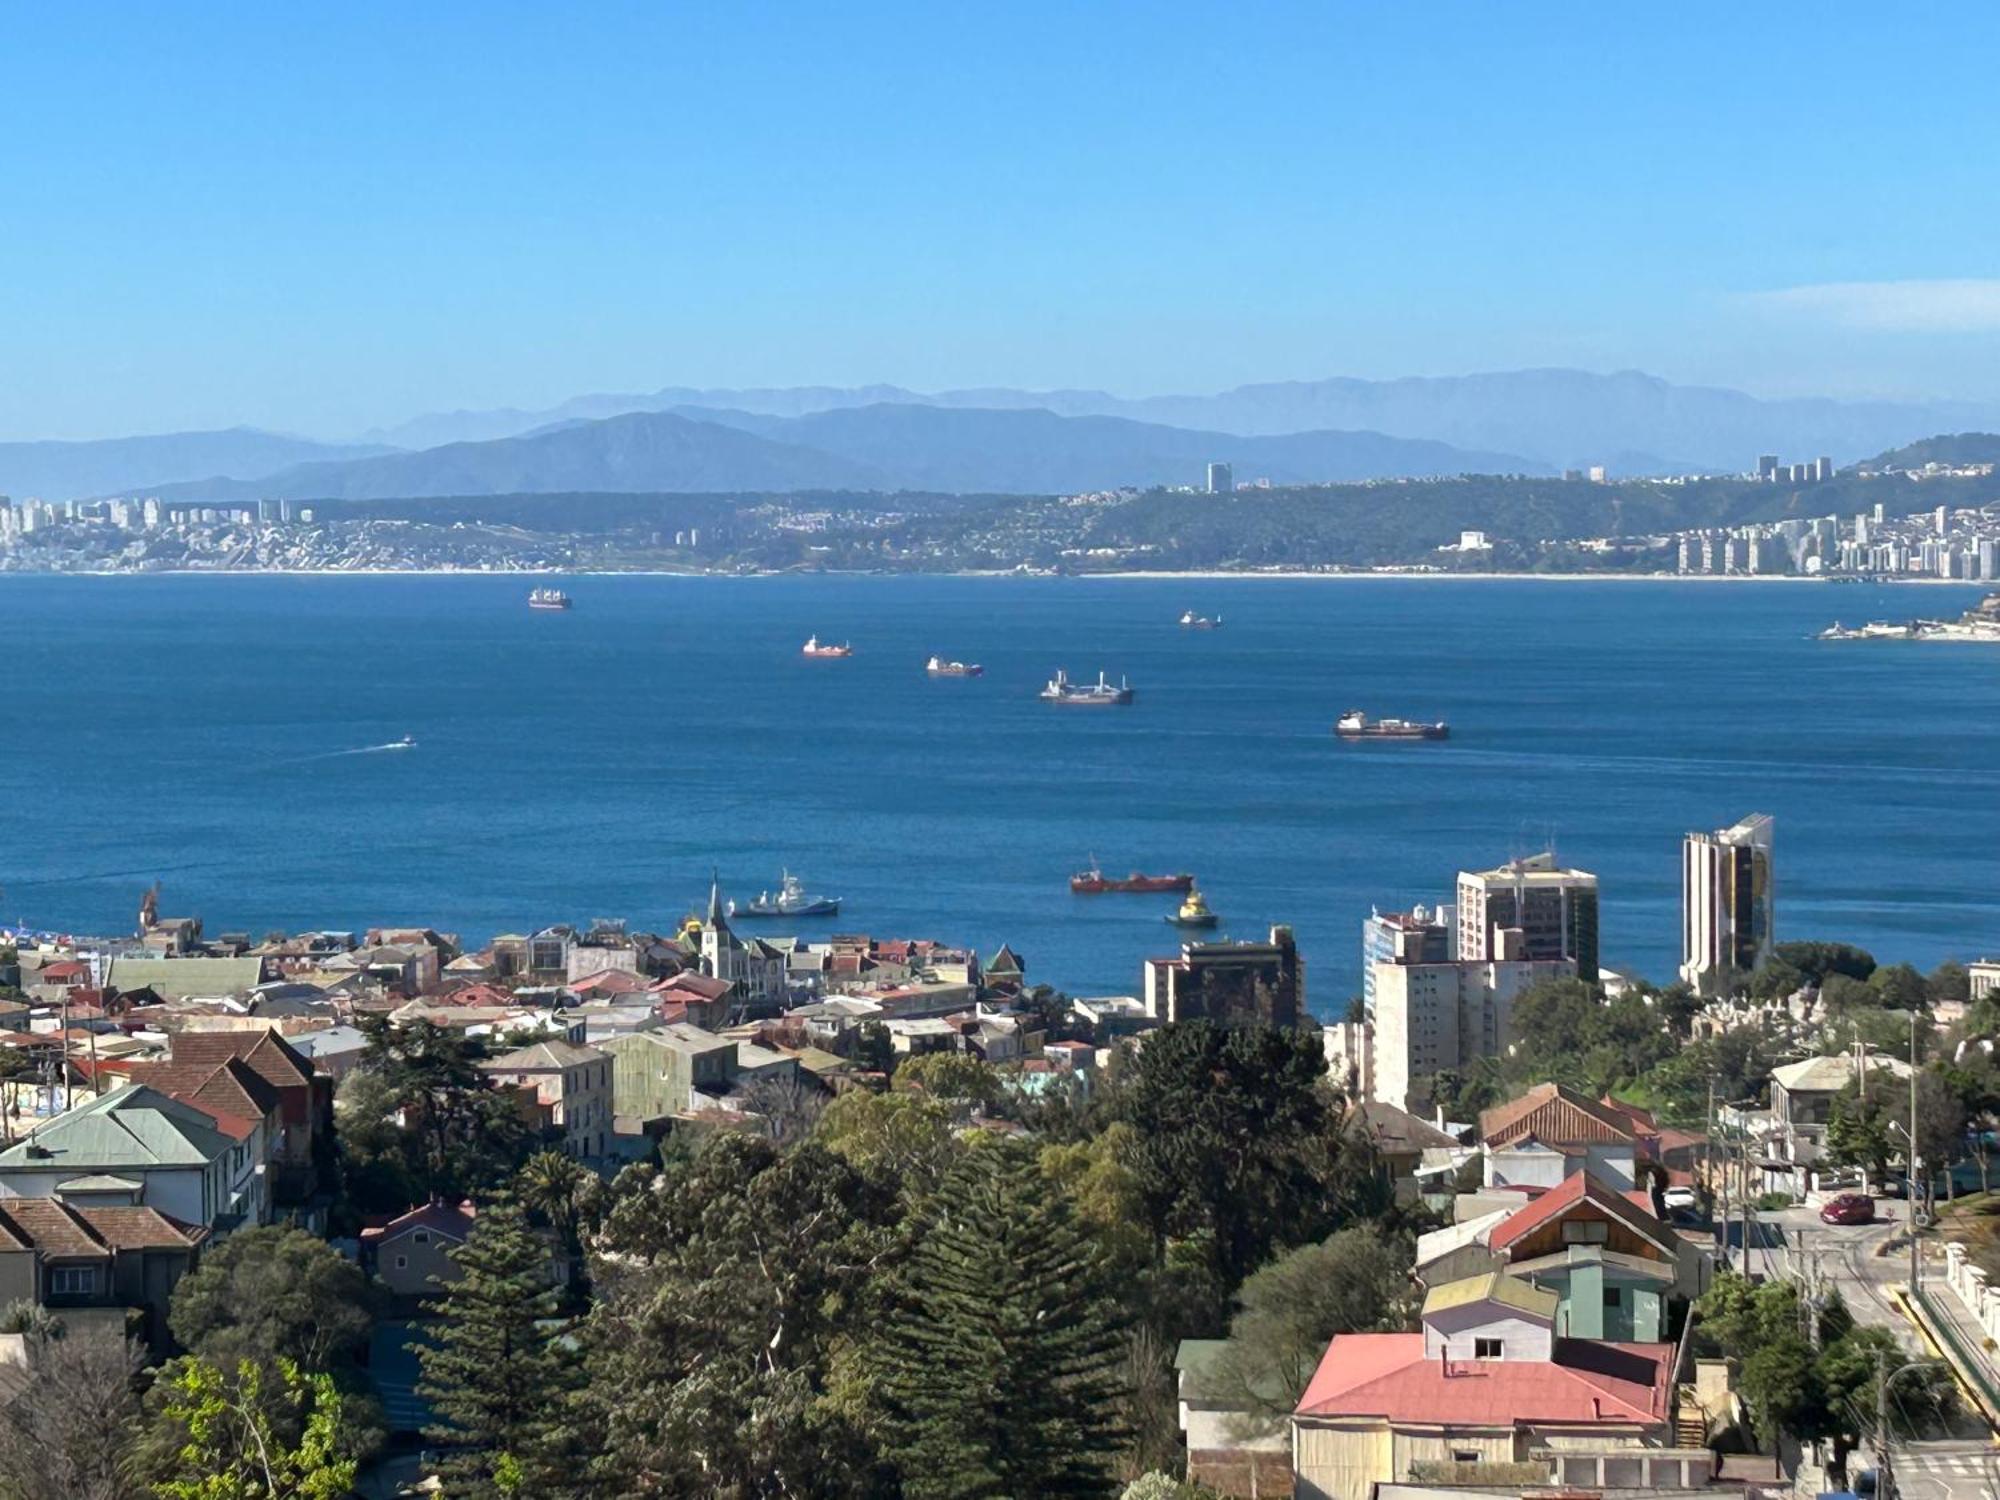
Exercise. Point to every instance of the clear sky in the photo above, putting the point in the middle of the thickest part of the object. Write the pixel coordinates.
(322, 217)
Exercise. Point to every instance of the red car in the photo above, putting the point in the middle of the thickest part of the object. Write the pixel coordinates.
(1849, 1208)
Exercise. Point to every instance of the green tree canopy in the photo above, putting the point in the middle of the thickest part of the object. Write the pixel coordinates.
(274, 1292)
(1819, 960)
(499, 1371)
(1000, 1374)
(226, 1444)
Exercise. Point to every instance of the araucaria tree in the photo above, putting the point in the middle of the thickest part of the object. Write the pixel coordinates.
(1001, 1370)
(499, 1371)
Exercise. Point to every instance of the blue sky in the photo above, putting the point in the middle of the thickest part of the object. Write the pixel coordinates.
(319, 218)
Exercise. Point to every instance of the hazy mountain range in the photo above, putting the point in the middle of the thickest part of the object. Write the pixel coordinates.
(883, 437)
(880, 447)
(1559, 418)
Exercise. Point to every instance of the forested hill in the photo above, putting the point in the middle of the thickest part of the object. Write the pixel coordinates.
(1952, 448)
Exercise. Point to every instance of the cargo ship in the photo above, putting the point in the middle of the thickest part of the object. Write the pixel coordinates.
(825, 649)
(1102, 693)
(1094, 882)
(938, 667)
(548, 599)
(1193, 621)
(1356, 725)
(790, 900)
(1193, 912)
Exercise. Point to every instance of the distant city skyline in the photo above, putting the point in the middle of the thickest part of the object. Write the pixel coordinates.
(325, 220)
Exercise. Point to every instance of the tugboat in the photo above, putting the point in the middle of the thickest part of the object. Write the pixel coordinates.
(1102, 693)
(938, 667)
(1193, 621)
(814, 647)
(1356, 725)
(791, 900)
(1094, 882)
(548, 599)
(1193, 912)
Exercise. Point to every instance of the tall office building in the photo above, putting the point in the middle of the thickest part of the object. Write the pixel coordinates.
(1822, 469)
(1554, 908)
(1221, 479)
(1728, 903)
(1767, 466)
(1230, 983)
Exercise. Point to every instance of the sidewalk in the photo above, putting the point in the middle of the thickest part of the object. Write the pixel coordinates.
(1959, 1340)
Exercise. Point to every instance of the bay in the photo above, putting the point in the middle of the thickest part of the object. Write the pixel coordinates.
(219, 734)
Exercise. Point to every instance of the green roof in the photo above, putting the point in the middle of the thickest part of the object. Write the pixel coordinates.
(177, 978)
(1494, 1286)
(130, 1128)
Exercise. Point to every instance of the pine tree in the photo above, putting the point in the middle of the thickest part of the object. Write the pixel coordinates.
(498, 1371)
(1002, 1371)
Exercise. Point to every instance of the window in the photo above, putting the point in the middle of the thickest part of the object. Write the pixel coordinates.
(402, 1262)
(1487, 1348)
(72, 1281)
(1585, 1232)
(1465, 1455)
(421, 1237)
(1611, 1297)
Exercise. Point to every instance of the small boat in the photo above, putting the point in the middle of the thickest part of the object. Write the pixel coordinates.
(1356, 725)
(1094, 882)
(1102, 693)
(1193, 912)
(790, 900)
(938, 667)
(826, 650)
(548, 599)
(1193, 621)
(405, 743)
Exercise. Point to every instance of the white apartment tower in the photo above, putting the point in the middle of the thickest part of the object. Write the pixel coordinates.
(1728, 902)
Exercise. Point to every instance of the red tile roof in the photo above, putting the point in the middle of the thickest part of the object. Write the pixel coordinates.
(1556, 1116)
(1576, 1191)
(263, 1051)
(453, 1220)
(1588, 1384)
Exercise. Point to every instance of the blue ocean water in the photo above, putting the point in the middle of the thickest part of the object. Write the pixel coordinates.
(216, 732)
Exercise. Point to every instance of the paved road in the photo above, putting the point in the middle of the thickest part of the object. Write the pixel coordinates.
(1844, 1255)
(1948, 1471)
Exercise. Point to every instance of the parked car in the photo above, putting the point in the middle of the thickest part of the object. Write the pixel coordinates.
(1849, 1208)
(1680, 1197)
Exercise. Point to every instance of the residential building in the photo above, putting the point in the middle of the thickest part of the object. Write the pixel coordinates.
(410, 1254)
(303, 1130)
(135, 1146)
(1549, 1133)
(1431, 1017)
(181, 978)
(1228, 1449)
(1554, 907)
(1221, 479)
(72, 1258)
(659, 1073)
(1615, 1267)
(571, 1086)
(1487, 1381)
(1417, 936)
(1802, 1095)
(1728, 903)
(1230, 983)
(1400, 1143)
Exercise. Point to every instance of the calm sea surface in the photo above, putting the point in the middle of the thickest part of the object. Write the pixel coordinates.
(214, 733)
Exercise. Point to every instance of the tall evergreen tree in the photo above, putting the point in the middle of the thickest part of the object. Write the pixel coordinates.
(1001, 1371)
(499, 1371)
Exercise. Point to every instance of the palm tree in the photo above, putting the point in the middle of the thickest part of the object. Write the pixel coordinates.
(559, 1190)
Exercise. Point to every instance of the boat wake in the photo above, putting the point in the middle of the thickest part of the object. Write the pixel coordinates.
(405, 743)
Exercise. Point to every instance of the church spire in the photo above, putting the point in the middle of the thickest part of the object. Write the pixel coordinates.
(714, 899)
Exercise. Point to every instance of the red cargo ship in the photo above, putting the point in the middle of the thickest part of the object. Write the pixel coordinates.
(1094, 882)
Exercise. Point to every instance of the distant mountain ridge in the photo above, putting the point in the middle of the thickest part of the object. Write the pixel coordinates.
(1557, 417)
(1950, 448)
(76, 470)
(880, 447)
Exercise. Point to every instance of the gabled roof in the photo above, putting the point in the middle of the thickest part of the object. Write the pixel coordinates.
(1006, 961)
(1385, 1375)
(1387, 1128)
(451, 1220)
(229, 1088)
(177, 978)
(1829, 1075)
(1555, 1116)
(1576, 1192)
(73, 1231)
(699, 985)
(263, 1052)
(1495, 1286)
(130, 1128)
(553, 1053)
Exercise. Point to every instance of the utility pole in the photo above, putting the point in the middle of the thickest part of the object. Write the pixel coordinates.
(1885, 1487)
(1916, 1162)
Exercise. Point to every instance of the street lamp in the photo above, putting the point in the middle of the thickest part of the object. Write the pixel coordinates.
(1910, 1179)
(1885, 1488)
